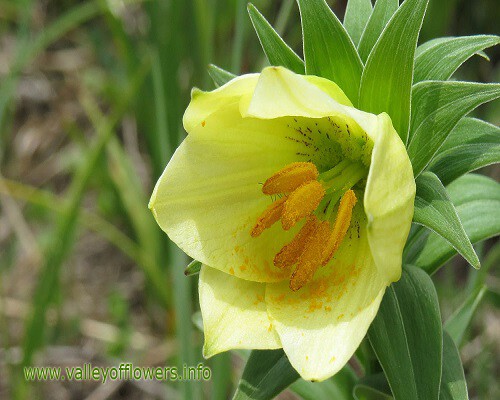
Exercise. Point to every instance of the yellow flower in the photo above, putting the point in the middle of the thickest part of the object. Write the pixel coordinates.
(298, 205)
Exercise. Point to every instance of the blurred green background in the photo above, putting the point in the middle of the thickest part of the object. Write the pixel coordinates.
(91, 101)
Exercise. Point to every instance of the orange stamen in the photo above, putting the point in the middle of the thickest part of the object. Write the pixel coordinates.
(270, 215)
(291, 252)
(340, 227)
(301, 202)
(290, 178)
(311, 258)
(317, 241)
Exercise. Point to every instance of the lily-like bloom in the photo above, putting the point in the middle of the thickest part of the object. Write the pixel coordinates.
(298, 205)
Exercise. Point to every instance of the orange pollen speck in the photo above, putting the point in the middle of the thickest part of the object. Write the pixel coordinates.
(291, 252)
(340, 227)
(268, 217)
(290, 178)
(301, 202)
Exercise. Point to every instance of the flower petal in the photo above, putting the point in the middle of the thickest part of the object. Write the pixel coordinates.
(330, 88)
(234, 314)
(280, 92)
(389, 199)
(203, 104)
(322, 324)
(210, 195)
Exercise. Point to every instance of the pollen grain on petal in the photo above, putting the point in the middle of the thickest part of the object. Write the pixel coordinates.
(340, 226)
(270, 215)
(290, 178)
(291, 252)
(311, 258)
(301, 203)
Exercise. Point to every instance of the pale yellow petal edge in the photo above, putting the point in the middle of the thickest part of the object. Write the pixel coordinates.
(389, 200)
(234, 314)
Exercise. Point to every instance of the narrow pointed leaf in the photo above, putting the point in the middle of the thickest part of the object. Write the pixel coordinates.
(484, 55)
(357, 14)
(219, 76)
(362, 392)
(388, 74)
(471, 145)
(458, 322)
(434, 209)
(442, 57)
(453, 385)
(328, 50)
(267, 373)
(406, 336)
(193, 268)
(437, 108)
(276, 50)
(382, 13)
(477, 201)
(372, 387)
(338, 387)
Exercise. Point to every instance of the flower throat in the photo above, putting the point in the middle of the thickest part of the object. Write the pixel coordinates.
(325, 201)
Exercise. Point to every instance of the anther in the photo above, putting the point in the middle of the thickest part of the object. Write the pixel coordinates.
(289, 178)
(340, 226)
(310, 259)
(291, 252)
(270, 215)
(301, 202)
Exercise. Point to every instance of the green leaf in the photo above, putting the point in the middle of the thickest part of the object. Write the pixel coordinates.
(369, 393)
(267, 373)
(276, 50)
(484, 55)
(477, 201)
(372, 387)
(438, 59)
(471, 145)
(193, 268)
(382, 13)
(219, 76)
(328, 49)
(357, 14)
(388, 74)
(460, 319)
(437, 107)
(453, 385)
(406, 336)
(338, 387)
(434, 209)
